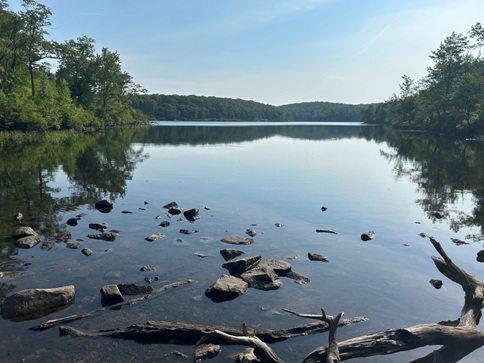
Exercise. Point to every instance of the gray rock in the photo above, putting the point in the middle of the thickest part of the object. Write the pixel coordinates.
(23, 231)
(206, 351)
(229, 254)
(281, 268)
(154, 237)
(192, 214)
(132, 289)
(238, 267)
(27, 242)
(35, 303)
(436, 283)
(86, 251)
(367, 236)
(250, 232)
(98, 226)
(171, 205)
(237, 240)
(262, 278)
(111, 295)
(317, 257)
(226, 288)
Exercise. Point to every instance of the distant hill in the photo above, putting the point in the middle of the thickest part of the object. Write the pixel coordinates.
(202, 108)
(324, 111)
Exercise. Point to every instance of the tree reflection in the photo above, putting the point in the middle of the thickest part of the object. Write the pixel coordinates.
(96, 164)
(445, 171)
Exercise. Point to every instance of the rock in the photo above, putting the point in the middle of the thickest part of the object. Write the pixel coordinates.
(147, 268)
(206, 351)
(132, 289)
(438, 214)
(250, 232)
(73, 245)
(226, 288)
(229, 254)
(368, 236)
(238, 267)
(237, 240)
(154, 237)
(247, 356)
(23, 231)
(36, 303)
(192, 214)
(63, 236)
(188, 231)
(278, 224)
(316, 257)
(164, 224)
(262, 278)
(171, 205)
(111, 295)
(436, 283)
(175, 211)
(72, 222)
(459, 242)
(86, 251)
(106, 236)
(48, 245)
(298, 278)
(480, 256)
(324, 209)
(27, 242)
(151, 279)
(104, 206)
(281, 268)
(19, 216)
(98, 226)
(128, 211)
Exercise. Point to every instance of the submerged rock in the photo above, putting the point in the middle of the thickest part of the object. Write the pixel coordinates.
(237, 240)
(36, 303)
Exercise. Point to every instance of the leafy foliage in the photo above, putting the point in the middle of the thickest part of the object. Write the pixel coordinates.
(88, 90)
(449, 99)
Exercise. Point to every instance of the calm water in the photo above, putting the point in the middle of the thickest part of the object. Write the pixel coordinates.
(242, 176)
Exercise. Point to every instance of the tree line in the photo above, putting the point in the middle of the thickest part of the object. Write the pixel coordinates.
(87, 89)
(449, 98)
(182, 108)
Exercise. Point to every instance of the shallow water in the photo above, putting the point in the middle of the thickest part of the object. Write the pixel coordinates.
(243, 176)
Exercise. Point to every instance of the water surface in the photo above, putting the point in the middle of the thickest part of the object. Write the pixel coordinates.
(243, 176)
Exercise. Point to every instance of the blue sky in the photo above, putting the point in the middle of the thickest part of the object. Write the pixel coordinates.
(270, 51)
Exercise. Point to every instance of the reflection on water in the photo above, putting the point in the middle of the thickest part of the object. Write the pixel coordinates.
(242, 177)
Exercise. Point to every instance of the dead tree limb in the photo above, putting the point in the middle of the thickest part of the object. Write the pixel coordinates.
(458, 339)
(190, 334)
(67, 319)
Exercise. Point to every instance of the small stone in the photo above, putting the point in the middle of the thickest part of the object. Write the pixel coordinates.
(278, 224)
(367, 236)
(192, 214)
(104, 206)
(237, 240)
(98, 226)
(126, 212)
(324, 209)
(436, 283)
(147, 268)
(72, 222)
(151, 279)
(480, 256)
(188, 231)
(317, 257)
(154, 237)
(250, 232)
(86, 251)
(229, 254)
(164, 224)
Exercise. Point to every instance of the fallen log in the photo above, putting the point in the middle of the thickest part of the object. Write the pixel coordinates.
(190, 334)
(50, 323)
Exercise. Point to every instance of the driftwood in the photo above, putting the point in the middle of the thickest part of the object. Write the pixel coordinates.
(67, 319)
(190, 334)
(458, 338)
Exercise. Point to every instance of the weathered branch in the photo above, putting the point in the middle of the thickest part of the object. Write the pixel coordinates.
(190, 334)
(67, 319)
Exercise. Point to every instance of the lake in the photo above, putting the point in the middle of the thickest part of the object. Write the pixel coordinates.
(271, 177)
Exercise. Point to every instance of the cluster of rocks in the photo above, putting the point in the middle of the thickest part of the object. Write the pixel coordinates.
(249, 272)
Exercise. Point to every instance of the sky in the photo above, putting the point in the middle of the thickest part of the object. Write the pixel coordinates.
(270, 51)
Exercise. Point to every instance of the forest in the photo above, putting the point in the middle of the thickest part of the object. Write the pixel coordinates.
(87, 89)
(448, 99)
(182, 108)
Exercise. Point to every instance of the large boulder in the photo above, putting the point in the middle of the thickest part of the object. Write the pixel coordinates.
(226, 288)
(36, 303)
